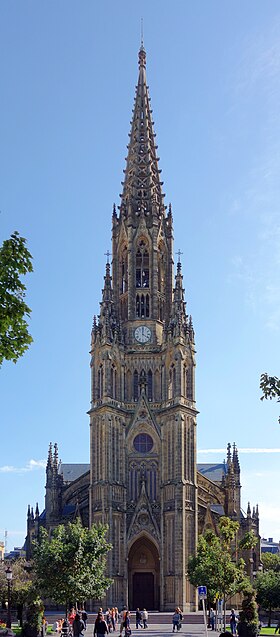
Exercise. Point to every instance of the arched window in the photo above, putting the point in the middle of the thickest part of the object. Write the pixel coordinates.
(170, 384)
(135, 386)
(113, 382)
(174, 383)
(161, 269)
(142, 274)
(123, 271)
(142, 305)
(100, 382)
(127, 387)
(189, 379)
(150, 384)
(157, 385)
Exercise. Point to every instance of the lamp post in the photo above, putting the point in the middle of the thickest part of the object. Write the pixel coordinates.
(9, 576)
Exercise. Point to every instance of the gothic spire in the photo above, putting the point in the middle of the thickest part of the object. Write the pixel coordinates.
(142, 192)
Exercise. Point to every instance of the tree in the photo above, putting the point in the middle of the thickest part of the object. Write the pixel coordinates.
(69, 566)
(270, 386)
(268, 591)
(216, 565)
(248, 617)
(271, 562)
(21, 582)
(15, 261)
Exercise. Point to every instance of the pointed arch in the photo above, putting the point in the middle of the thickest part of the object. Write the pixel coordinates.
(150, 385)
(135, 385)
(128, 385)
(142, 269)
(100, 382)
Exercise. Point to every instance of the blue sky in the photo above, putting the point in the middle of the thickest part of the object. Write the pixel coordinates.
(68, 71)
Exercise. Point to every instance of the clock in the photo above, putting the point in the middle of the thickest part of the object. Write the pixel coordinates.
(142, 334)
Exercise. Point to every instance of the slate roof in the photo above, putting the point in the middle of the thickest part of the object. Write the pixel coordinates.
(72, 471)
(214, 472)
(217, 508)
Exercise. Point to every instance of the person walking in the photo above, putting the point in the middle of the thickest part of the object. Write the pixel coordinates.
(232, 622)
(145, 618)
(212, 619)
(176, 619)
(126, 624)
(78, 626)
(84, 616)
(122, 618)
(100, 626)
(138, 618)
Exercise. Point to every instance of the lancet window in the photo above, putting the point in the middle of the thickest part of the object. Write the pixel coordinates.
(142, 305)
(189, 378)
(172, 382)
(113, 382)
(123, 271)
(142, 273)
(135, 386)
(100, 380)
(150, 385)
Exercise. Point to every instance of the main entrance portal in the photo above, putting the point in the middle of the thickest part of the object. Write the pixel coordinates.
(143, 575)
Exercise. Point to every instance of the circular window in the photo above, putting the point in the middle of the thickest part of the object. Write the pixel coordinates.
(143, 443)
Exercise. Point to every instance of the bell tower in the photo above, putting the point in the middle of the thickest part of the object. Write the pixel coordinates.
(143, 412)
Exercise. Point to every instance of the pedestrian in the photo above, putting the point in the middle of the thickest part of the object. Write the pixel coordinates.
(145, 618)
(277, 629)
(78, 626)
(84, 616)
(126, 624)
(109, 619)
(71, 616)
(100, 626)
(176, 619)
(122, 616)
(232, 622)
(138, 617)
(212, 619)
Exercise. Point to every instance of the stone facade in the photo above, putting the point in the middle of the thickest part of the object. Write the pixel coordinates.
(143, 479)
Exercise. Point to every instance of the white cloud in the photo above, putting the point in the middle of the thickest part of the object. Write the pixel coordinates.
(243, 450)
(31, 465)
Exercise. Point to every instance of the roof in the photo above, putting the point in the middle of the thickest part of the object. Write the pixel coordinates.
(217, 508)
(73, 471)
(214, 472)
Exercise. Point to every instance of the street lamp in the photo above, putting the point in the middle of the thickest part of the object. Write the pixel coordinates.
(9, 576)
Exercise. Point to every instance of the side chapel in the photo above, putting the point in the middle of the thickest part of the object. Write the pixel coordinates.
(143, 480)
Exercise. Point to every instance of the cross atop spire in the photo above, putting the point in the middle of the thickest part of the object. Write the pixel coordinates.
(142, 186)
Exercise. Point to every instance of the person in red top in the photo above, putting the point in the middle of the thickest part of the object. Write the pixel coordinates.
(71, 616)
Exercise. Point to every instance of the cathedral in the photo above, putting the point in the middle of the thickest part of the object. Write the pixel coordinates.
(143, 480)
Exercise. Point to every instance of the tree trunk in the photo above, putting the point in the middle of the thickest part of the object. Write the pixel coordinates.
(224, 612)
(269, 616)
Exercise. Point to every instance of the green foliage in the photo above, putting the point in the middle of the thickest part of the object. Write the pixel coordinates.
(268, 590)
(21, 582)
(15, 261)
(248, 616)
(249, 541)
(70, 565)
(271, 562)
(214, 566)
(270, 386)
(34, 616)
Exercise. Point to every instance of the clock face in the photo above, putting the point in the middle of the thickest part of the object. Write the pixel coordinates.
(142, 334)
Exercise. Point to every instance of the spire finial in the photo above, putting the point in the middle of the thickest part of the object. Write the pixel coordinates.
(179, 253)
(142, 34)
(108, 254)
